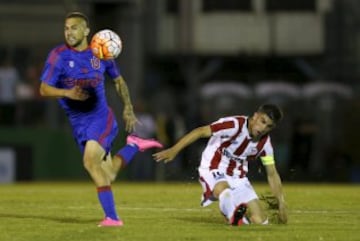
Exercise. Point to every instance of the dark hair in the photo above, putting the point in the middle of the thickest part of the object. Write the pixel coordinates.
(272, 111)
(78, 15)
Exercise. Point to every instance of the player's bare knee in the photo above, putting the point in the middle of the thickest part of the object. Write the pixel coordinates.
(258, 219)
(219, 188)
(89, 160)
(88, 164)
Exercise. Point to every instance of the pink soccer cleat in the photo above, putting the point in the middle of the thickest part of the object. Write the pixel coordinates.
(143, 144)
(108, 222)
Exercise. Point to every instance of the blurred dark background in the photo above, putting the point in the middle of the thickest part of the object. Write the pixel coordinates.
(187, 63)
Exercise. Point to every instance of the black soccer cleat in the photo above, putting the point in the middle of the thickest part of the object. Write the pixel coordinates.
(239, 213)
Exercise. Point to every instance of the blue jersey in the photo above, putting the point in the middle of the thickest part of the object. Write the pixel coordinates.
(66, 67)
(92, 118)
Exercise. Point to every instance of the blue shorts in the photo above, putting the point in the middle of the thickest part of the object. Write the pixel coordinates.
(102, 129)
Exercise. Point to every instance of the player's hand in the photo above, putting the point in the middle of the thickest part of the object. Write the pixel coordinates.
(165, 155)
(283, 218)
(76, 93)
(130, 119)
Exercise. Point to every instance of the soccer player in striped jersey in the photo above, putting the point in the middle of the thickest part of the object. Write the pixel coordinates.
(74, 76)
(234, 142)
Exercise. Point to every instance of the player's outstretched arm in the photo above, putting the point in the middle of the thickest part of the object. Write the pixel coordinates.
(170, 153)
(128, 113)
(75, 93)
(276, 187)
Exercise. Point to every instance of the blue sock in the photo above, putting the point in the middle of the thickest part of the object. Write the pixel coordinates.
(127, 153)
(106, 199)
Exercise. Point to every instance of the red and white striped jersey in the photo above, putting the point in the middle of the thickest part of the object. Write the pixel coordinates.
(230, 147)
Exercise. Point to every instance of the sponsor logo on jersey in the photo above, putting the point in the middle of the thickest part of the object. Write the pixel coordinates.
(252, 151)
(71, 82)
(228, 155)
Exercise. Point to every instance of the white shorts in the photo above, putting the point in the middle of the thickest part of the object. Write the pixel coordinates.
(209, 178)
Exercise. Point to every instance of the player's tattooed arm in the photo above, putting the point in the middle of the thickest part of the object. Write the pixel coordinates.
(128, 113)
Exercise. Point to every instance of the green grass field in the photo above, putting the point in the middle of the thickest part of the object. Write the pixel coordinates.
(156, 212)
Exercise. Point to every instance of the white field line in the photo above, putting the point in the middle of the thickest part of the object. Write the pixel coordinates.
(325, 211)
(167, 209)
(211, 210)
(200, 209)
(173, 209)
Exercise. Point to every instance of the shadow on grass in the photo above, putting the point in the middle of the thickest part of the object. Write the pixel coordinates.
(50, 218)
(201, 220)
(221, 223)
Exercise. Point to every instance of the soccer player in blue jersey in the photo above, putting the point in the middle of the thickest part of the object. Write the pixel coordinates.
(75, 77)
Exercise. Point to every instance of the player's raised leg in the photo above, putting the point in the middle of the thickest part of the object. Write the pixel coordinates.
(92, 160)
(125, 155)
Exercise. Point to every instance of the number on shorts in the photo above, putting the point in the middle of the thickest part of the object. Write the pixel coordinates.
(218, 175)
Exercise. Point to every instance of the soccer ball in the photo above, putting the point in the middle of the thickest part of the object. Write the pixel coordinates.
(106, 44)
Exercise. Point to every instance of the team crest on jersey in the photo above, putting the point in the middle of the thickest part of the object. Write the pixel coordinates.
(252, 151)
(71, 64)
(95, 63)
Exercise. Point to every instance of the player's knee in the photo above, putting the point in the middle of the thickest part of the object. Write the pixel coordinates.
(258, 219)
(219, 188)
(88, 165)
(88, 161)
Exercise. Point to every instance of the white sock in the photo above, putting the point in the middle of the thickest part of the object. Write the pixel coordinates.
(226, 203)
(245, 220)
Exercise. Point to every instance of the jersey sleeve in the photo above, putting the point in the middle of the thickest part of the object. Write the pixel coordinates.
(267, 154)
(112, 69)
(226, 127)
(52, 69)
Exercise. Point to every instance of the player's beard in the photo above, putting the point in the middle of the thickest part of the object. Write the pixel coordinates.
(74, 43)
